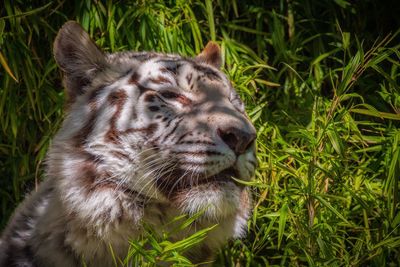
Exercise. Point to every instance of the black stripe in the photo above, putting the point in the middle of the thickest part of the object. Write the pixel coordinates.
(208, 163)
(143, 56)
(173, 130)
(182, 136)
(201, 152)
(143, 89)
(196, 142)
(153, 108)
(210, 73)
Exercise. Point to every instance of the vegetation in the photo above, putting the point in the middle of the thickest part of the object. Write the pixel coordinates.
(321, 83)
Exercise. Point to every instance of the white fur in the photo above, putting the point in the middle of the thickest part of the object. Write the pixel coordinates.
(99, 192)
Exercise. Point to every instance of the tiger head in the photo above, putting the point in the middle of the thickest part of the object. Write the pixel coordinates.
(167, 127)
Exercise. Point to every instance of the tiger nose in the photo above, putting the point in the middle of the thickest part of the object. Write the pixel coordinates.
(238, 140)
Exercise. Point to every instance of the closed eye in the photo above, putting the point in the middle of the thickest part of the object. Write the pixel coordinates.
(169, 95)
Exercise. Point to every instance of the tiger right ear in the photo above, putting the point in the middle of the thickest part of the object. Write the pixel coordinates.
(211, 54)
(77, 56)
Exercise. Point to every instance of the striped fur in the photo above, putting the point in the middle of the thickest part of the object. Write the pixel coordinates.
(146, 137)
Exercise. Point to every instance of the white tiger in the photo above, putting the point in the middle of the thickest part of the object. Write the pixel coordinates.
(146, 137)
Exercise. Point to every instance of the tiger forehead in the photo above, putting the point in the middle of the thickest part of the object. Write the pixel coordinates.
(177, 66)
(171, 62)
(158, 71)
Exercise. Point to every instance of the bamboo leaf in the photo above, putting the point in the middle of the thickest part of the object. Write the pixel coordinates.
(282, 223)
(3, 62)
(331, 208)
(375, 113)
(210, 19)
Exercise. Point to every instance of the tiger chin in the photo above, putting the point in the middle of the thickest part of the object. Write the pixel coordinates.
(146, 137)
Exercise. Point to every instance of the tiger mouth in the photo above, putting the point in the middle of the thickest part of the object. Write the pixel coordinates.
(223, 176)
(170, 184)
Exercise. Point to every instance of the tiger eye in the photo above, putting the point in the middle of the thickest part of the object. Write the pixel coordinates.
(178, 97)
(169, 94)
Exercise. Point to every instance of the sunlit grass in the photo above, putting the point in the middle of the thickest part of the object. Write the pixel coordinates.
(321, 84)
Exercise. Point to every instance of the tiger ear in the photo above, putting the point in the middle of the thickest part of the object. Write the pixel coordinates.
(77, 56)
(211, 54)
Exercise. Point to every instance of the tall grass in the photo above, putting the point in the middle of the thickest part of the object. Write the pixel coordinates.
(321, 83)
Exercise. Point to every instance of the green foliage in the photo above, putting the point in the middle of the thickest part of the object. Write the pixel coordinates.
(321, 83)
(152, 248)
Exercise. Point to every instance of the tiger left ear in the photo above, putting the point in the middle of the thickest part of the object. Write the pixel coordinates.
(211, 54)
(78, 57)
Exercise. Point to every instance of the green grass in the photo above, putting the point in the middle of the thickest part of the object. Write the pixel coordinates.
(321, 83)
